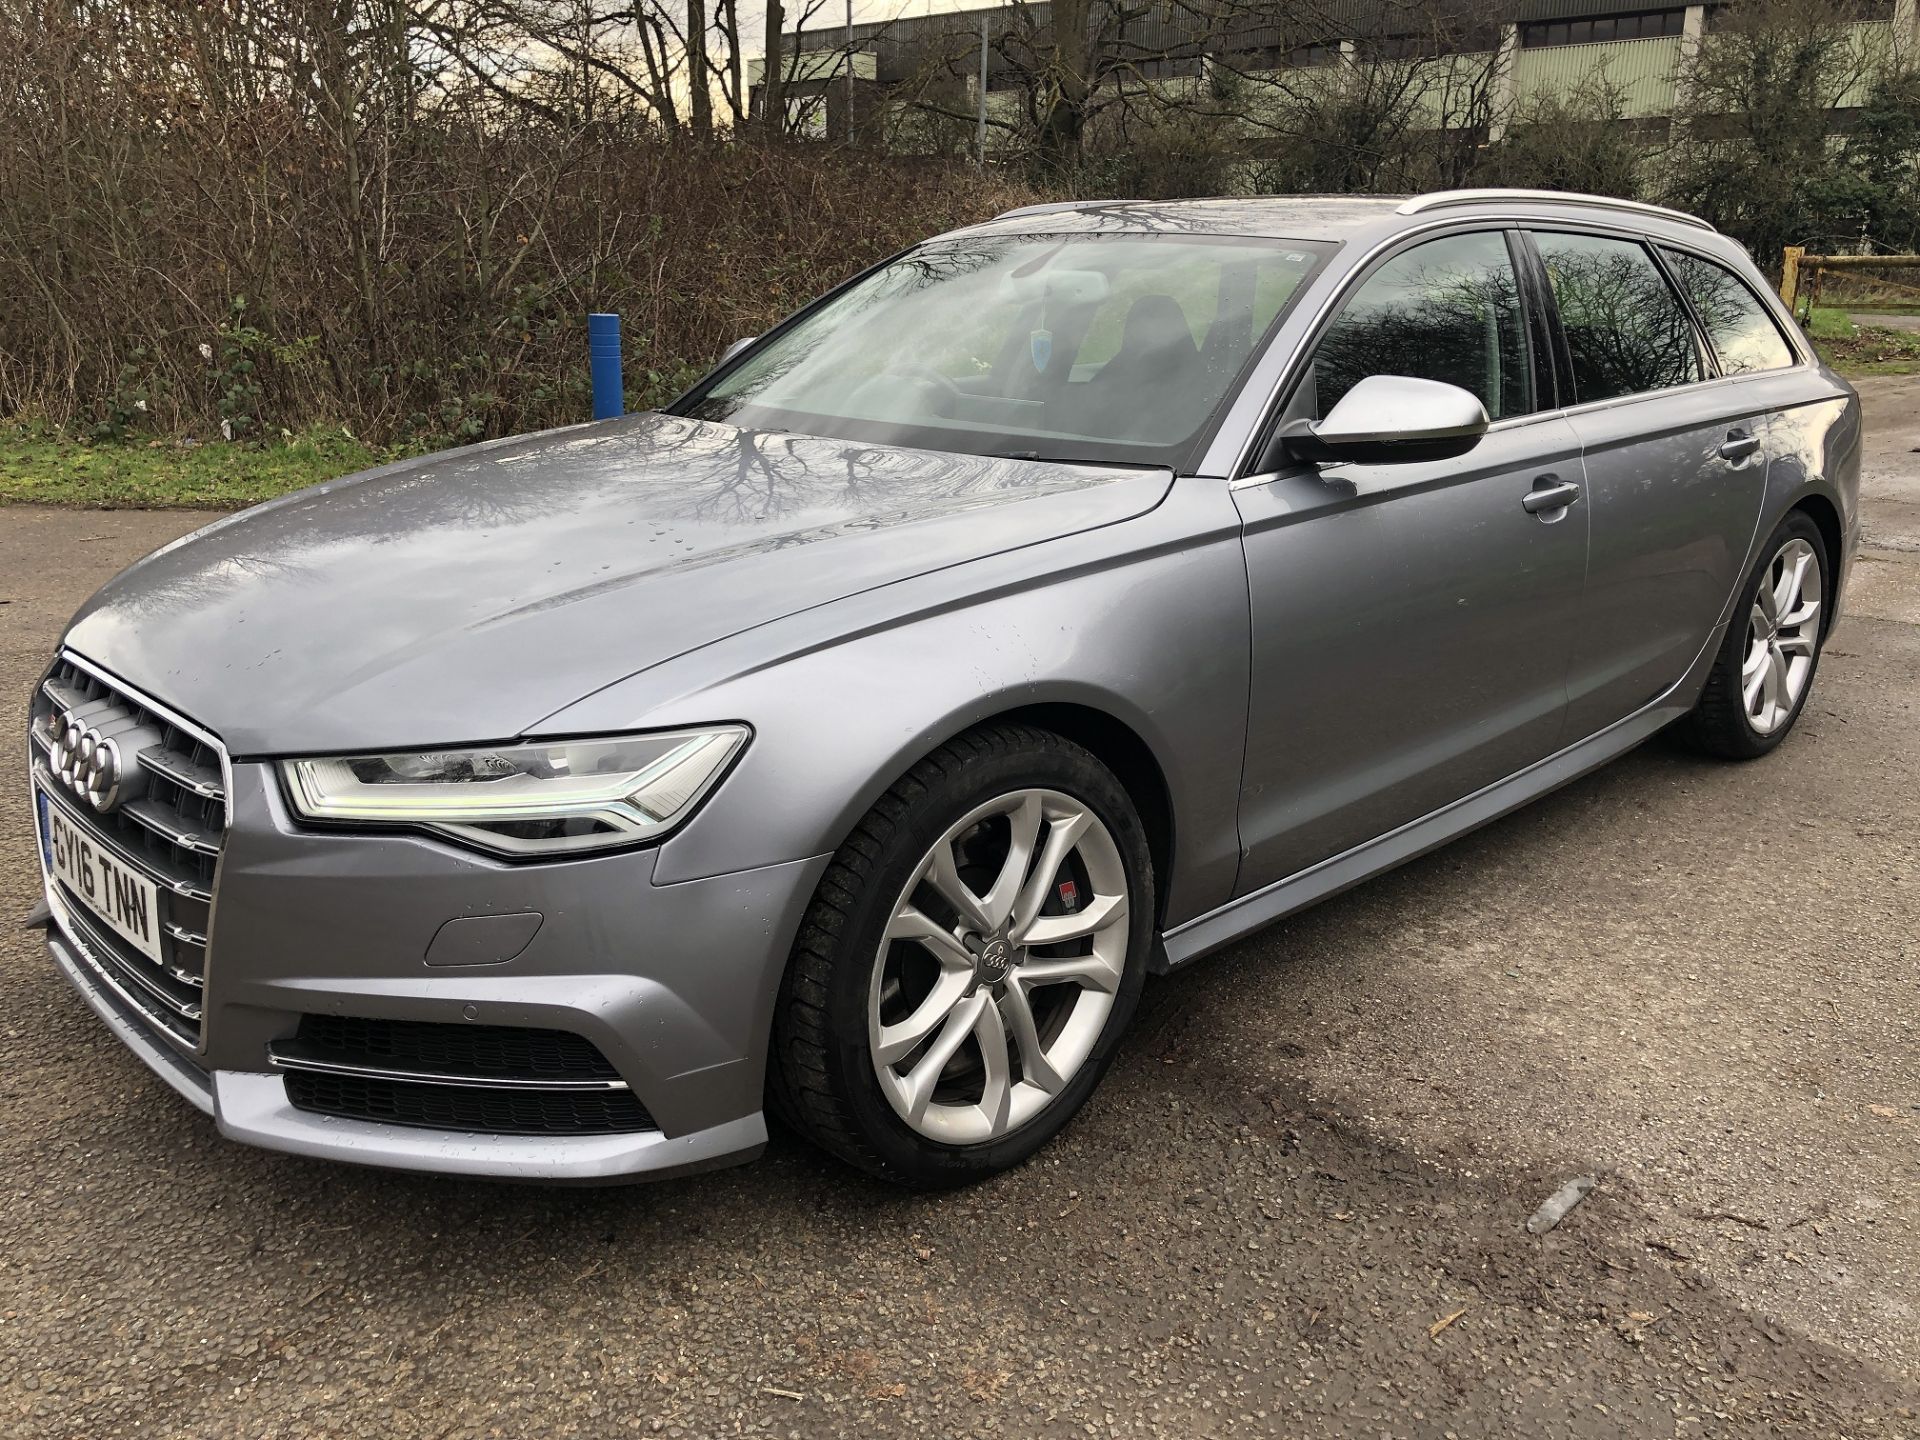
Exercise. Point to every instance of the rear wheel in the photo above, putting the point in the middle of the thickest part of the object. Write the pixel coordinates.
(969, 963)
(1765, 668)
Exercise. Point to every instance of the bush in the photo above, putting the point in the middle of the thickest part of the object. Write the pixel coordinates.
(1582, 141)
(1754, 143)
(234, 257)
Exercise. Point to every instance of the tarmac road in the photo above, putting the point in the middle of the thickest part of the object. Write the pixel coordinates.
(1295, 1207)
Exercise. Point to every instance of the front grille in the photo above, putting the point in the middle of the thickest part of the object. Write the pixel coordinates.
(492, 1079)
(171, 833)
(469, 1108)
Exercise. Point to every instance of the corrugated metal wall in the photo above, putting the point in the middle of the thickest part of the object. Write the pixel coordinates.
(1642, 69)
(949, 42)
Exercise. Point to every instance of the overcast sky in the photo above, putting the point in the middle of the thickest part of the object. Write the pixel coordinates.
(753, 13)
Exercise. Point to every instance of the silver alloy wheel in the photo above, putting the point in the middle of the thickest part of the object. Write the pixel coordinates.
(999, 966)
(1782, 632)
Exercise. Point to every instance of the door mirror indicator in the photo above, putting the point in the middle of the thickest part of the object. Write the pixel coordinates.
(1386, 419)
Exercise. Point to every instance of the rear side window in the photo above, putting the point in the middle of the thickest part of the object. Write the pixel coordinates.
(1446, 310)
(1626, 330)
(1744, 338)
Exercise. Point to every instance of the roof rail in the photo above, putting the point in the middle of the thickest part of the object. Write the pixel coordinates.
(1442, 199)
(1056, 206)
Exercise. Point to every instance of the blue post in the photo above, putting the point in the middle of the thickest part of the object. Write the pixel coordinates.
(603, 357)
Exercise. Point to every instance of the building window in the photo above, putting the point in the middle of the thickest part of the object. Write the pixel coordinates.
(1162, 67)
(1727, 16)
(1465, 39)
(1402, 47)
(1281, 57)
(1595, 29)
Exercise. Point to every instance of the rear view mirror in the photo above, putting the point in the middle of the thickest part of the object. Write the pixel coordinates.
(736, 347)
(1392, 418)
(1056, 284)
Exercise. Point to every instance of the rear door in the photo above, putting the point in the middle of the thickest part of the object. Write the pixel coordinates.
(1676, 464)
(1410, 621)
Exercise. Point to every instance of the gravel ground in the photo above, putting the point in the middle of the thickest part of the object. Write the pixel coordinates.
(1888, 322)
(1296, 1206)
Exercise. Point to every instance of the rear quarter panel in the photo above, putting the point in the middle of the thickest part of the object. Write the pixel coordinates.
(1814, 448)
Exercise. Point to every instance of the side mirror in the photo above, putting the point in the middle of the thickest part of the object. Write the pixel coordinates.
(1392, 418)
(737, 346)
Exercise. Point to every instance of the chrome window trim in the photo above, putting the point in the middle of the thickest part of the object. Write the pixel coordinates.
(1349, 279)
(1512, 422)
(1568, 412)
(1692, 387)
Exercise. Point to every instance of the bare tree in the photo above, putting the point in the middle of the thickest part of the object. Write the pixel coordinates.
(1581, 140)
(773, 96)
(699, 73)
(1752, 140)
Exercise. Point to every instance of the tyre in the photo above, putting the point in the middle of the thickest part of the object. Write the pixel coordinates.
(974, 953)
(1764, 672)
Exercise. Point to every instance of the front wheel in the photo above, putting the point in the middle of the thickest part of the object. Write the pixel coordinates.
(972, 957)
(1764, 672)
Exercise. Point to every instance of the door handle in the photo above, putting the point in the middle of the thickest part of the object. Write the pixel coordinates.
(1739, 445)
(1547, 494)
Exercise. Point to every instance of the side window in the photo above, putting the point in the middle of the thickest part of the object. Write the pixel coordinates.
(1446, 310)
(1745, 340)
(1627, 332)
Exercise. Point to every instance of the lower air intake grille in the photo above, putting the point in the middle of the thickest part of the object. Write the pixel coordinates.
(469, 1108)
(492, 1051)
(482, 1079)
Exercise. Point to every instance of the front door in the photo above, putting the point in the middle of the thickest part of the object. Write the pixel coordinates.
(1411, 621)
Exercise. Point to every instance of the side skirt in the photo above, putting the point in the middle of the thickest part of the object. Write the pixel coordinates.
(1207, 933)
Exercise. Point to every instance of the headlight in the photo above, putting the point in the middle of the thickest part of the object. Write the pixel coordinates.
(542, 798)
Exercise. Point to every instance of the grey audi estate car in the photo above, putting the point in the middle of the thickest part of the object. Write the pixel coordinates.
(1047, 606)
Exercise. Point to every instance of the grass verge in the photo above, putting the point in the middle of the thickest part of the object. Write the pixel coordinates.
(1856, 350)
(43, 466)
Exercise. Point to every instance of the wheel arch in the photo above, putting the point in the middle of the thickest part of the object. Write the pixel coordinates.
(1826, 518)
(1119, 747)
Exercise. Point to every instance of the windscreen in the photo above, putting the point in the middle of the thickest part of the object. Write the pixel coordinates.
(1083, 347)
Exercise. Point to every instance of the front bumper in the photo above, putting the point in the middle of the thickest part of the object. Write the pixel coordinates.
(673, 983)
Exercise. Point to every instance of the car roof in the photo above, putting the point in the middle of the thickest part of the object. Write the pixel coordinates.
(1278, 217)
(1332, 217)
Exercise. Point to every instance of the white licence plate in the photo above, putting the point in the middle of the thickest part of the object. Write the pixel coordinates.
(125, 901)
